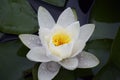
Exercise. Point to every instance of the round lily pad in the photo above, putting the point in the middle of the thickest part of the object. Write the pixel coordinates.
(16, 17)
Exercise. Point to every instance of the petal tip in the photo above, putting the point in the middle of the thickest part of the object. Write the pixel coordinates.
(97, 62)
(77, 22)
(29, 57)
(87, 60)
(21, 36)
(45, 19)
(86, 31)
(69, 8)
(41, 7)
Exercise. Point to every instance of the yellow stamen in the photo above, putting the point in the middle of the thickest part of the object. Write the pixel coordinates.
(61, 38)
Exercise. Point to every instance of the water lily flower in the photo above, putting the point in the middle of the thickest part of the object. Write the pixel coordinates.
(59, 44)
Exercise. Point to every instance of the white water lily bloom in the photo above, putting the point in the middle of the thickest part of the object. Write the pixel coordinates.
(59, 43)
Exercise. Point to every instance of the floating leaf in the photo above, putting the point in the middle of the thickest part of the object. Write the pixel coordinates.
(80, 73)
(115, 52)
(99, 44)
(104, 30)
(59, 3)
(1, 34)
(28, 74)
(12, 66)
(101, 49)
(109, 72)
(23, 50)
(35, 71)
(65, 75)
(106, 11)
(16, 16)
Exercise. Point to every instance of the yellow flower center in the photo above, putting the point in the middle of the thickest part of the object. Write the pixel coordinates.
(61, 38)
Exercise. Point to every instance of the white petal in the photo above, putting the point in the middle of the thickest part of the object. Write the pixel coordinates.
(66, 18)
(70, 63)
(62, 51)
(44, 34)
(57, 28)
(87, 60)
(54, 57)
(30, 40)
(51, 56)
(74, 30)
(38, 54)
(86, 31)
(47, 71)
(78, 47)
(45, 42)
(44, 18)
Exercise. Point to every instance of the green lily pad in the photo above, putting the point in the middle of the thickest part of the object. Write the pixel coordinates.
(99, 44)
(12, 66)
(115, 52)
(28, 74)
(35, 71)
(106, 11)
(65, 75)
(1, 34)
(16, 17)
(22, 51)
(59, 3)
(109, 72)
(101, 49)
(104, 30)
(81, 73)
